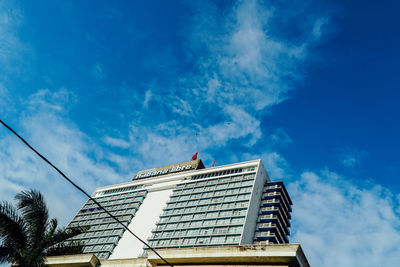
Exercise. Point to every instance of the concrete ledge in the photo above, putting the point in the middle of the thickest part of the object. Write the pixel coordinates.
(287, 255)
(81, 260)
(283, 255)
(136, 262)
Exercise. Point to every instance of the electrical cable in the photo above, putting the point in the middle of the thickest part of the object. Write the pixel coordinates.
(83, 191)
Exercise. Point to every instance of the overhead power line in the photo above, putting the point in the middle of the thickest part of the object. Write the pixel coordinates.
(83, 191)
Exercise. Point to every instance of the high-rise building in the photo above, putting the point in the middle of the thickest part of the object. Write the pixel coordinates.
(187, 205)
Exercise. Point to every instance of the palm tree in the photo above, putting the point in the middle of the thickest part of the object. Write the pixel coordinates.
(27, 235)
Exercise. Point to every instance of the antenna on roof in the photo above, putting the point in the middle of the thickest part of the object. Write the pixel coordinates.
(214, 162)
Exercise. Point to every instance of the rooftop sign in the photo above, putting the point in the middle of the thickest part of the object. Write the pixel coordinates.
(184, 166)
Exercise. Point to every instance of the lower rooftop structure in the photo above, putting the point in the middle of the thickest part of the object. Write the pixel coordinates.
(285, 255)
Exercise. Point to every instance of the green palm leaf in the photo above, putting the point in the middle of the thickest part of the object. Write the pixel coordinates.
(27, 235)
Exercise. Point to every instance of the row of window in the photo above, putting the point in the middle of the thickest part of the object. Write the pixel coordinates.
(219, 206)
(128, 195)
(100, 240)
(102, 255)
(123, 189)
(204, 215)
(200, 223)
(195, 241)
(108, 203)
(102, 226)
(199, 231)
(99, 248)
(100, 220)
(244, 188)
(202, 183)
(212, 174)
(103, 214)
(203, 201)
(131, 203)
(101, 233)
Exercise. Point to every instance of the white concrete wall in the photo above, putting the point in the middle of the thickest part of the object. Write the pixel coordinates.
(142, 224)
(254, 206)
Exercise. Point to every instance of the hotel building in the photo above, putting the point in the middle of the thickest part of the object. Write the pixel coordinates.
(187, 205)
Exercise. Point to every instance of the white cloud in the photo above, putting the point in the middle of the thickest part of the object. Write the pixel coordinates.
(181, 106)
(147, 98)
(340, 223)
(44, 99)
(244, 67)
(116, 142)
(58, 139)
(12, 49)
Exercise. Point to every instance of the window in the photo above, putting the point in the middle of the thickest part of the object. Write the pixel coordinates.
(205, 231)
(209, 222)
(112, 239)
(102, 240)
(220, 230)
(211, 214)
(193, 232)
(174, 241)
(235, 230)
(198, 216)
(223, 221)
(232, 239)
(167, 234)
(217, 239)
(87, 249)
(237, 220)
(97, 247)
(187, 217)
(225, 213)
(238, 212)
(190, 241)
(203, 240)
(204, 201)
(195, 223)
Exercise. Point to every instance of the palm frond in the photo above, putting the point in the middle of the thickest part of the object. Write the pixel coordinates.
(62, 235)
(12, 227)
(6, 254)
(35, 214)
(27, 235)
(52, 227)
(65, 248)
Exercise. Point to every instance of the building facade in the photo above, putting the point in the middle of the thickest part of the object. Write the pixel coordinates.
(187, 205)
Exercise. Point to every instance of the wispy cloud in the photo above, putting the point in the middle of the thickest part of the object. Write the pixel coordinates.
(280, 137)
(243, 67)
(12, 49)
(351, 157)
(116, 142)
(44, 99)
(98, 71)
(342, 223)
(147, 98)
(5, 101)
(45, 125)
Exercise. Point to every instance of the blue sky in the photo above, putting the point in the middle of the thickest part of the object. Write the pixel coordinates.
(311, 87)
